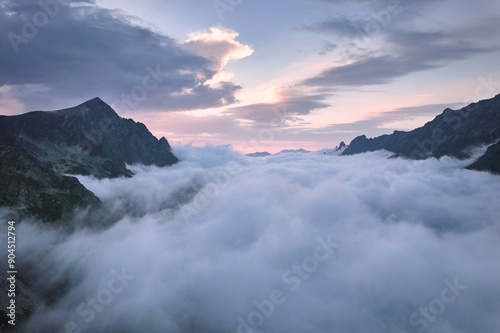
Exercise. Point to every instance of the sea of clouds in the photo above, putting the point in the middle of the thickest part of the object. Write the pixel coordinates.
(304, 243)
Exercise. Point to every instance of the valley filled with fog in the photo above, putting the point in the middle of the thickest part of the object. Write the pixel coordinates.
(222, 242)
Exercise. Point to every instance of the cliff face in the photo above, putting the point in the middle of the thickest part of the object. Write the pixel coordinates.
(89, 139)
(451, 133)
(33, 188)
(490, 161)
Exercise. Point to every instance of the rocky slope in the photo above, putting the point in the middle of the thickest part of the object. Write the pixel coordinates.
(490, 161)
(38, 148)
(33, 188)
(89, 139)
(451, 133)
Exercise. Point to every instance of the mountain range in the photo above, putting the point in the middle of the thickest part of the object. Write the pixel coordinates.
(452, 133)
(40, 150)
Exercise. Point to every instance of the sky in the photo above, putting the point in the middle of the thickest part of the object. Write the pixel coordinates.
(257, 75)
(304, 243)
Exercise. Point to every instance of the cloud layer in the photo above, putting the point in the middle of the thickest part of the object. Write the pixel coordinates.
(290, 103)
(339, 244)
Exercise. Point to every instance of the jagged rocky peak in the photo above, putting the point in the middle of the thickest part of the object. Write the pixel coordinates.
(39, 148)
(88, 139)
(452, 133)
(341, 146)
(447, 111)
(95, 107)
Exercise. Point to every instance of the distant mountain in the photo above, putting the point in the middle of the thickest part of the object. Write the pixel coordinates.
(451, 133)
(338, 150)
(89, 139)
(38, 148)
(259, 154)
(293, 151)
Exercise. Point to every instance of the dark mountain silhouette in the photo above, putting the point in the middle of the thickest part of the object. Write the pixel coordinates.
(38, 148)
(293, 151)
(452, 133)
(89, 139)
(490, 161)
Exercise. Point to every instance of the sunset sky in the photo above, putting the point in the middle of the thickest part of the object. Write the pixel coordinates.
(258, 75)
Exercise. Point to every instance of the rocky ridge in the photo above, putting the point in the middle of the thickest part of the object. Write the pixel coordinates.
(452, 133)
(39, 149)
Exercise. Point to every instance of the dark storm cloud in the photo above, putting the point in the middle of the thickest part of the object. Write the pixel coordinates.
(54, 53)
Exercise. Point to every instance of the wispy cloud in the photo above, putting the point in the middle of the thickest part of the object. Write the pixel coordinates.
(409, 52)
(290, 103)
(381, 41)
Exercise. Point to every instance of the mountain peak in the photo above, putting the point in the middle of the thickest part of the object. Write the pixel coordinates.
(96, 101)
(94, 107)
(452, 133)
(88, 139)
